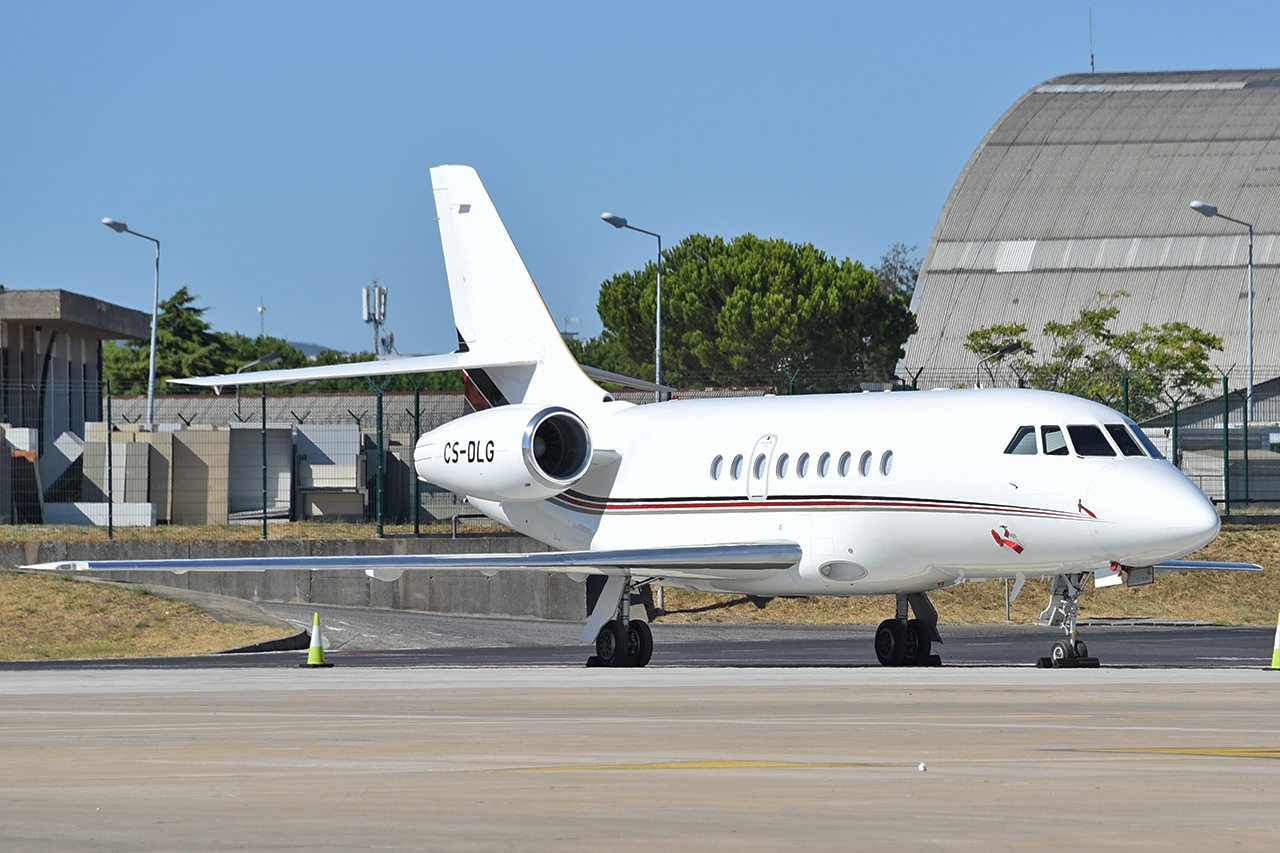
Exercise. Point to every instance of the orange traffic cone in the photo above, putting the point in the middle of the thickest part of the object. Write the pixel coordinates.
(315, 655)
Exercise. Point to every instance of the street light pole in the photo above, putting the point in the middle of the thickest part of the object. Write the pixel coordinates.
(121, 228)
(1208, 210)
(621, 222)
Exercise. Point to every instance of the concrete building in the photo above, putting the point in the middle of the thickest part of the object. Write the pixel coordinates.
(1083, 186)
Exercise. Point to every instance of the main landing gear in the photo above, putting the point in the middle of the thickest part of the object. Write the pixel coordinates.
(1064, 606)
(908, 642)
(621, 641)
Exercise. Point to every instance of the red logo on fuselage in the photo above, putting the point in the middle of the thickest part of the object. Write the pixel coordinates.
(1007, 539)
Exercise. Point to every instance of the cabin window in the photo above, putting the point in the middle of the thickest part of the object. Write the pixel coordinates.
(886, 463)
(864, 464)
(781, 467)
(802, 465)
(758, 466)
(824, 464)
(716, 465)
(1023, 443)
(735, 470)
(1089, 441)
(1055, 443)
(1123, 440)
(845, 459)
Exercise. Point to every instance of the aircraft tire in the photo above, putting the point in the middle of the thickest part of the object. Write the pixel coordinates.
(1082, 651)
(611, 645)
(1062, 650)
(923, 644)
(639, 642)
(891, 643)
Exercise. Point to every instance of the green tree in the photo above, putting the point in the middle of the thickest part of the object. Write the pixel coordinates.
(1163, 364)
(754, 310)
(186, 345)
(898, 271)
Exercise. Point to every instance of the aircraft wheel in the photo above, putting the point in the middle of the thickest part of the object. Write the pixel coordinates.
(611, 645)
(918, 637)
(1062, 650)
(639, 642)
(891, 642)
(1082, 651)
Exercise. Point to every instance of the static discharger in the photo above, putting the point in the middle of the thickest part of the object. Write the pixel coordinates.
(315, 655)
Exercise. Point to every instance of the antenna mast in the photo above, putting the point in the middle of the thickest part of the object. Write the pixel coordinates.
(1091, 68)
(373, 309)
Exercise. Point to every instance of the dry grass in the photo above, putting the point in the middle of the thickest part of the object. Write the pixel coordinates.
(52, 618)
(1227, 598)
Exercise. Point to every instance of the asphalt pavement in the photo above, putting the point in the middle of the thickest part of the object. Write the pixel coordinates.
(362, 637)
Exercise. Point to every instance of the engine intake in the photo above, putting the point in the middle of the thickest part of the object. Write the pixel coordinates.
(508, 453)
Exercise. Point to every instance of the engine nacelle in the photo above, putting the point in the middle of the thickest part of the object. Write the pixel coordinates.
(508, 453)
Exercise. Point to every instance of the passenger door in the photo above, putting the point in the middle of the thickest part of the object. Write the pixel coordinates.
(758, 468)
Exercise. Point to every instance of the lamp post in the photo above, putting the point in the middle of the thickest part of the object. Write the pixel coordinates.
(269, 358)
(1209, 211)
(621, 222)
(1007, 349)
(121, 228)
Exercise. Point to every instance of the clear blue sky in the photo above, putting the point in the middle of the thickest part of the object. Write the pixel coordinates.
(281, 150)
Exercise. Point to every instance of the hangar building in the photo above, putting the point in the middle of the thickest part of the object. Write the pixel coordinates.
(1083, 186)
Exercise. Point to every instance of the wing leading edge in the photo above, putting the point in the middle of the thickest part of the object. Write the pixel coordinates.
(734, 561)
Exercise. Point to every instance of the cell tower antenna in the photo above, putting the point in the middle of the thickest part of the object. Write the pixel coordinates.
(373, 310)
(1091, 68)
(262, 319)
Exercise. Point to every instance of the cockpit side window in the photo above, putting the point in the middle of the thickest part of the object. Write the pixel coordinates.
(1144, 440)
(1055, 443)
(1023, 443)
(1124, 441)
(1089, 441)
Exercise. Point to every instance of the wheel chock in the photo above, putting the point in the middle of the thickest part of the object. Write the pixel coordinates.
(315, 654)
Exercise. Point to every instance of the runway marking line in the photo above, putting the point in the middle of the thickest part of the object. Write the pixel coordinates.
(722, 764)
(1203, 751)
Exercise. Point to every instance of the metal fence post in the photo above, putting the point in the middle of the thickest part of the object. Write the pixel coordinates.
(1124, 393)
(1226, 447)
(1174, 435)
(417, 483)
(264, 460)
(381, 480)
(111, 501)
(1244, 420)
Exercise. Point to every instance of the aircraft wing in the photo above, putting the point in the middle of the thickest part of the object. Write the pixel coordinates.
(734, 561)
(356, 370)
(1205, 565)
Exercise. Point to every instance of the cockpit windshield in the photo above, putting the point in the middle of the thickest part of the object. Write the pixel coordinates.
(1143, 440)
(1123, 440)
(1089, 441)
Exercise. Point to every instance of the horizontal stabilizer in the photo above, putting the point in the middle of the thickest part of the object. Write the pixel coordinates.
(625, 381)
(356, 370)
(744, 561)
(1205, 565)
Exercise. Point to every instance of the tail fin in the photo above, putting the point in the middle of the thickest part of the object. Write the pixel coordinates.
(497, 309)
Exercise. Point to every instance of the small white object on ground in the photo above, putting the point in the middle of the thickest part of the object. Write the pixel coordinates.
(922, 767)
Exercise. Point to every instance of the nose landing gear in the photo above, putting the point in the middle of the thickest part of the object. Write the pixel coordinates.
(1064, 606)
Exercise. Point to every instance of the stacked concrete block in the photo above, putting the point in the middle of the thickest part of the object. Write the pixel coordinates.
(200, 464)
(245, 470)
(329, 482)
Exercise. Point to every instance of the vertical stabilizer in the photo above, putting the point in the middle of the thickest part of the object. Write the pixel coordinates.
(496, 306)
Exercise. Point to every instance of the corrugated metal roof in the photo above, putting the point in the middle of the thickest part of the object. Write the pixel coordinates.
(1094, 172)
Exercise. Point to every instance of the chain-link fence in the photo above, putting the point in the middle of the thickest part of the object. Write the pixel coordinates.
(77, 455)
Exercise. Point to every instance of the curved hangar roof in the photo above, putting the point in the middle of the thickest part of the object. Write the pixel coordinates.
(1084, 186)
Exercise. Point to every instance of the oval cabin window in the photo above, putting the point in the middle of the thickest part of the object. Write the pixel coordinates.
(735, 469)
(802, 465)
(864, 464)
(781, 467)
(845, 459)
(716, 465)
(824, 464)
(886, 463)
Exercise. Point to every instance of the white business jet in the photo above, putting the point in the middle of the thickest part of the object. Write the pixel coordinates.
(845, 494)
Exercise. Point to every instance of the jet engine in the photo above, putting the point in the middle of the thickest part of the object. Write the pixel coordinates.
(508, 453)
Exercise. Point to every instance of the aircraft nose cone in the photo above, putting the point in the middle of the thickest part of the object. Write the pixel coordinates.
(1147, 512)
